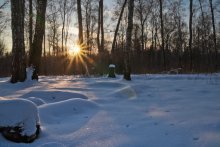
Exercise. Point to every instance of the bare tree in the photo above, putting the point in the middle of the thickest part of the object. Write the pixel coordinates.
(100, 29)
(18, 70)
(63, 11)
(162, 33)
(53, 26)
(214, 33)
(30, 25)
(143, 9)
(79, 12)
(190, 32)
(117, 27)
(89, 14)
(36, 53)
(102, 24)
(3, 19)
(127, 70)
(4, 4)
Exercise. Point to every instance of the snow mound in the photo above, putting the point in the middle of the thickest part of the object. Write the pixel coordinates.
(59, 111)
(37, 101)
(19, 113)
(54, 96)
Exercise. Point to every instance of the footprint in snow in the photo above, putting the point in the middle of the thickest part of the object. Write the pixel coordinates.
(196, 138)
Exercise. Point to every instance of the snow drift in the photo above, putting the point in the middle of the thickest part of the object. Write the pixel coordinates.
(19, 113)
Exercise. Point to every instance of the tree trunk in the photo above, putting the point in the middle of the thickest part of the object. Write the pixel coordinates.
(102, 26)
(88, 14)
(63, 23)
(35, 56)
(162, 34)
(117, 27)
(214, 34)
(127, 70)
(99, 26)
(79, 12)
(190, 32)
(30, 26)
(18, 71)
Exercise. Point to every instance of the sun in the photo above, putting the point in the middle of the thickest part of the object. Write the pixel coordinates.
(75, 50)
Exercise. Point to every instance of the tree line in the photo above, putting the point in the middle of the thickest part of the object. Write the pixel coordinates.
(138, 36)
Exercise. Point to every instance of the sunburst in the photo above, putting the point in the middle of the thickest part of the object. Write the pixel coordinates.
(78, 56)
(75, 50)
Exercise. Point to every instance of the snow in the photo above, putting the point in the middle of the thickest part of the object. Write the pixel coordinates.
(150, 110)
(19, 112)
(111, 66)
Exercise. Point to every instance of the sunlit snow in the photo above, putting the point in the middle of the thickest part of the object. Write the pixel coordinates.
(150, 110)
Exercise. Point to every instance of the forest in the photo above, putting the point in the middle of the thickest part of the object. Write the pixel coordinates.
(66, 37)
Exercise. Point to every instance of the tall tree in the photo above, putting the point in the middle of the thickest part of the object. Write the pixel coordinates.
(102, 24)
(162, 33)
(117, 27)
(79, 12)
(143, 10)
(36, 53)
(63, 11)
(30, 25)
(53, 26)
(18, 72)
(214, 32)
(190, 32)
(100, 31)
(127, 70)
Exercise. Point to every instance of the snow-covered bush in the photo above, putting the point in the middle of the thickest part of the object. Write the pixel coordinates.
(19, 120)
(111, 72)
(29, 72)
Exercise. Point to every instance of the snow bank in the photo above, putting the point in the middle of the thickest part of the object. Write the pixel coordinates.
(65, 109)
(66, 117)
(21, 113)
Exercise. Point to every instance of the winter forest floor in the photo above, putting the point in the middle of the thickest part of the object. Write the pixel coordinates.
(150, 110)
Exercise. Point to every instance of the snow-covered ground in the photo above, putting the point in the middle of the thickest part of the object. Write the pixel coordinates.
(149, 111)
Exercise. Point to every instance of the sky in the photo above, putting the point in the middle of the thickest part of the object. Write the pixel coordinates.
(7, 33)
(6, 36)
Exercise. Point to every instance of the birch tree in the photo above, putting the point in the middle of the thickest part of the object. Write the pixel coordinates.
(127, 70)
(18, 69)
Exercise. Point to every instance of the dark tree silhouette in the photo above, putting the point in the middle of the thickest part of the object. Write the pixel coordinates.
(18, 70)
(36, 52)
(127, 70)
(190, 32)
(79, 12)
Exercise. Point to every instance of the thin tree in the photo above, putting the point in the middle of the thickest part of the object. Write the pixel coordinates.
(63, 11)
(214, 32)
(117, 27)
(162, 33)
(102, 25)
(18, 72)
(190, 32)
(127, 70)
(30, 26)
(36, 53)
(143, 11)
(53, 26)
(79, 12)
